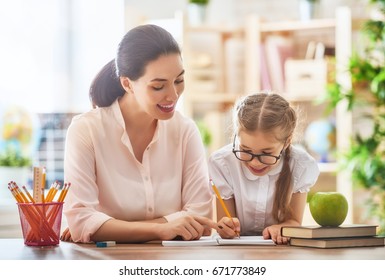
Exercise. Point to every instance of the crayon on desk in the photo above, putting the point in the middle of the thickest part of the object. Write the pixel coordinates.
(102, 244)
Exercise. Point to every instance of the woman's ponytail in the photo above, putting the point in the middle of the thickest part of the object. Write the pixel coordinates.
(106, 86)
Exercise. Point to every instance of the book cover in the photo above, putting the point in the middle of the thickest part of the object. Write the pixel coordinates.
(216, 240)
(277, 50)
(343, 242)
(354, 230)
(265, 75)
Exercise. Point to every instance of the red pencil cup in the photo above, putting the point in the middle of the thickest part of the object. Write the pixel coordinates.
(41, 222)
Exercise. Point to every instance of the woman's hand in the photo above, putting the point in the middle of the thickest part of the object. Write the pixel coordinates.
(229, 228)
(187, 228)
(274, 232)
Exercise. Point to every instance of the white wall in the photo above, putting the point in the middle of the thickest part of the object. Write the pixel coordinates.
(96, 29)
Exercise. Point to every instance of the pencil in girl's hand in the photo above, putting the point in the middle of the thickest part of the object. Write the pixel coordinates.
(220, 199)
(222, 203)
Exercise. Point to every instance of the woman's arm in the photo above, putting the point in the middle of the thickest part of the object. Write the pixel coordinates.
(187, 227)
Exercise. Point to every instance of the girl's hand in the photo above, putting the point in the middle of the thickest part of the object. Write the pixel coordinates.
(187, 228)
(66, 235)
(274, 232)
(229, 228)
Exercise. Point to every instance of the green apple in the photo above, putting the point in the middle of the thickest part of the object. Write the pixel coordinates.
(328, 208)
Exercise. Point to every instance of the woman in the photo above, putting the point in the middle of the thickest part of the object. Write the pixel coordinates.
(136, 165)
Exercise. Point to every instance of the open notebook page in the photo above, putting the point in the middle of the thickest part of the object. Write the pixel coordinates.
(216, 240)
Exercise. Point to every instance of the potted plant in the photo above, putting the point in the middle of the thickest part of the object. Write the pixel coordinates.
(13, 167)
(205, 133)
(197, 10)
(10, 158)
(365, 157)
(17, 138)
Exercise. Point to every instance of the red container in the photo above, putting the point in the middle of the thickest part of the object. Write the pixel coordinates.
(41, 223)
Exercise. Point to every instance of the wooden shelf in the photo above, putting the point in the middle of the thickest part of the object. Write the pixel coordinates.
(216, 29)
(213, 97)
(327, 167)
(282, 26)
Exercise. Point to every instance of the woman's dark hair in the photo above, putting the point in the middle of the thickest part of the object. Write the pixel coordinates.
(141, 45)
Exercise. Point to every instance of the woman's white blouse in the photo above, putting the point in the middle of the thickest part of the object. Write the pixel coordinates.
(254, 194)
(108, 182)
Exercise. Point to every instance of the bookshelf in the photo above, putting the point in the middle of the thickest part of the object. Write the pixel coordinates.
(213, 104)
(206, 75)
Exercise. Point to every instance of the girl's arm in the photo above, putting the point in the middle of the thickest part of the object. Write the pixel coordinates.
(228, 228)
(297, 204)
(230, 204)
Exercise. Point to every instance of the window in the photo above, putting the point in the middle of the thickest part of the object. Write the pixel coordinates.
(51, 49)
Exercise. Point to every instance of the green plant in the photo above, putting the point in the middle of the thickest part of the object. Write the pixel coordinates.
(365, 158)
(205, 133)
(200, 2)
(10, 158)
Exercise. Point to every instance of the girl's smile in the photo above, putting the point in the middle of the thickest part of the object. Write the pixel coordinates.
(257, 171)
(259, 143)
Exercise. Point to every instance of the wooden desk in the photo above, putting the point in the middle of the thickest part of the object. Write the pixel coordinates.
(14, 249)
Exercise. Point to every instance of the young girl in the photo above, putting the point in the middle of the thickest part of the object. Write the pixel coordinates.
(262, 178)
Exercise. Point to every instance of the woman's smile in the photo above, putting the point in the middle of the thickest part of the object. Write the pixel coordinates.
(166, 108)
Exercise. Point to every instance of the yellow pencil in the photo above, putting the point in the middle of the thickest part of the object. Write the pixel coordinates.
(64, 191)
(19, 192)
(28, 194)
(52, 191)
(15, 195)
(222, 203)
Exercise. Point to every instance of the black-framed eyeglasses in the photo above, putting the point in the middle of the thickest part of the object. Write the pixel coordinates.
(263, 158)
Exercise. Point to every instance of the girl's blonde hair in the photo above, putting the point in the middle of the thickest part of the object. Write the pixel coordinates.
(270, 113)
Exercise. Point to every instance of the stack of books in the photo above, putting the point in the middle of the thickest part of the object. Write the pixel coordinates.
(354, 235)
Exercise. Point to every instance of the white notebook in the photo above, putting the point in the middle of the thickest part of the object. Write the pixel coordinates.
(216, 240)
